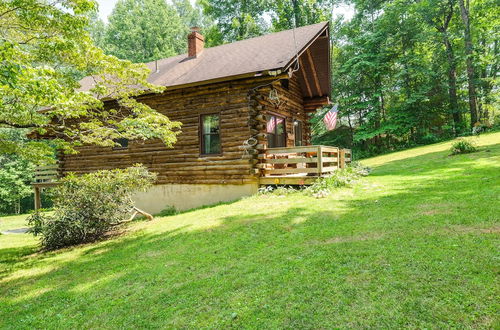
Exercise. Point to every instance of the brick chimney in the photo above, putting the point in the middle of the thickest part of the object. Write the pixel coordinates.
(195, 42)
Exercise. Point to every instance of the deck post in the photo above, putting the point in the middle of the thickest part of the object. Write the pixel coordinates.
(341, 158)
(320, 161)
(38, 199)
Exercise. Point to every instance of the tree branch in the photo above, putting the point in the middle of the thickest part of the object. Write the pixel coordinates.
(13, 125)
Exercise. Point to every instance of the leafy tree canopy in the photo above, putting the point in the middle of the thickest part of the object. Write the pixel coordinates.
(146, 30)
(45, 49)
(287, 14)
(16, 175)
(237, 20)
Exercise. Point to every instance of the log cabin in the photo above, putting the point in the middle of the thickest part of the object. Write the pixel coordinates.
(244, 109)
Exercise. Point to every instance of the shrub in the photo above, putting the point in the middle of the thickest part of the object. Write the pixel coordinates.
(430, 138)
(340, 178)
(462, 146)
(86, 207)
(169, 210)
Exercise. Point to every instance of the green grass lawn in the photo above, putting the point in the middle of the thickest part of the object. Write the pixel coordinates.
(415, 244)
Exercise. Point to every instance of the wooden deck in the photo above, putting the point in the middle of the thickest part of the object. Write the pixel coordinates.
(300, 165)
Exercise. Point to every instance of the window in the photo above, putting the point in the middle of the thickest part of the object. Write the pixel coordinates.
(297, 124)
(123, 144)
(210, 134)
(285, 83)
(276, 131)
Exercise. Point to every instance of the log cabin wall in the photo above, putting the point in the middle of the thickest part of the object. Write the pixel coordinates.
(239, 106)
(290, 106)
(183, 164)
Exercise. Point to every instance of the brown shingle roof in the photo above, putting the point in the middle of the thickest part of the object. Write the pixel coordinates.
(269, 52)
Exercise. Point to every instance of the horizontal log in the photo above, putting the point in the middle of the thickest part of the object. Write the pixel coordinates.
(46, 172)
(208, 181)
(46, 167)
(44, 177)
(172, 166)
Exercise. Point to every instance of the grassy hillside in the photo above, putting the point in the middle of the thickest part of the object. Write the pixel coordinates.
(415, 244)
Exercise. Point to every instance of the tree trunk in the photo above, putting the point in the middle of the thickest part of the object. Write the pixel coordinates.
(452, 83)
(464, 10)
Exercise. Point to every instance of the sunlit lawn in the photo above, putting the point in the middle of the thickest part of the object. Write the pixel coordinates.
(415, 244)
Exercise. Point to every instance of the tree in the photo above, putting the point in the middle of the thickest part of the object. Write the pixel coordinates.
(386, 78)
(192, 15)
(237, 19)
(287, 14)
(486, 16)
(438, 14)
(15, 178)
(45, 49)
(16, 175)
(145, 30)
(471, 76)
(97, 29)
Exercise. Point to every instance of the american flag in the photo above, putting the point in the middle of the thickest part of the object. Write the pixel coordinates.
(270, 126)
(330, 119)
(272, 122)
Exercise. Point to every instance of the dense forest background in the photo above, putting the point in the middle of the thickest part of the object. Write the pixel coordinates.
(404, 72)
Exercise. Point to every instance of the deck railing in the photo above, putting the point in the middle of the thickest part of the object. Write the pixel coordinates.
(303, 161)
(45, 177)
(47, 174)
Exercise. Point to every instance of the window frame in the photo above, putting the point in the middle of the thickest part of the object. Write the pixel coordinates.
(301, 124)
(201, 135)
(275, 135)
(285, 84)
(121, 147)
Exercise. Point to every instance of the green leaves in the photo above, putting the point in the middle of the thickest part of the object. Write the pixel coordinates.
(86, 207)
(16, 173)
(144, 30)
(288, 14)
(237, 20)
(45, 50)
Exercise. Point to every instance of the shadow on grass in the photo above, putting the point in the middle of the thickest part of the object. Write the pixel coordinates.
(377, 260)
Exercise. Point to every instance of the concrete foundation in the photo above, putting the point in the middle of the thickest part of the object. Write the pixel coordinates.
(188, 196)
